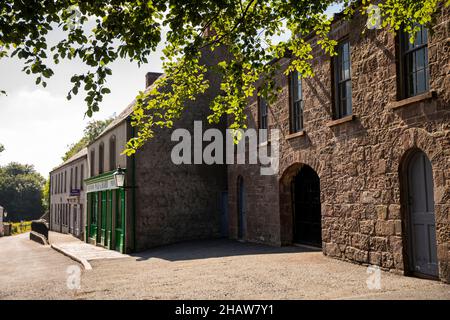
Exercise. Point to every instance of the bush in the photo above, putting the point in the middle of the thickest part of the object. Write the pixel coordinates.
(21, 227)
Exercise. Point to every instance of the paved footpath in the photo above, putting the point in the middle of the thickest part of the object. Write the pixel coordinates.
(80, 251)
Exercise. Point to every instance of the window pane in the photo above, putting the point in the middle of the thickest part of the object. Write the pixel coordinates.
(420, 81)
(348, 87)
(424, 35)
(420, 59)
(294, 86)
(299, 86)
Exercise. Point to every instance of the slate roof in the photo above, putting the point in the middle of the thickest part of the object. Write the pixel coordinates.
(82, 153)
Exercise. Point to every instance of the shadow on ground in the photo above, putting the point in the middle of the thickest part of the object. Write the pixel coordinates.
(205, 249)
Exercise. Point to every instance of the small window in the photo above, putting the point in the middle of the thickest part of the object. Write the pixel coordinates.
(92, 163)
(343, 81)
(101, 158)
(296, 102)
(112, 153)
(65, 181)
(414, 63)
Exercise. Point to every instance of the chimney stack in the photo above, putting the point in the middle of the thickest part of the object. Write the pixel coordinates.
(151, 77)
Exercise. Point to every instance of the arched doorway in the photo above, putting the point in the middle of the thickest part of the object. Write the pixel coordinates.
(241, 207)
(306, 208)
(420, 216)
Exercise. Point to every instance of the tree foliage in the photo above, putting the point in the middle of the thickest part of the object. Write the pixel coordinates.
(133, 29)
(2, 148)
(21, 191)
(90, 133)
(46, 196)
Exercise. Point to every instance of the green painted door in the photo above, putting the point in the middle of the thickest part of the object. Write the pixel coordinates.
(94, 215)
(103, 218)
(109, 194)
(120, 220)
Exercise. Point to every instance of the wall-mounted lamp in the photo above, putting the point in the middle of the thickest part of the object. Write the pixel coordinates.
(119, 176)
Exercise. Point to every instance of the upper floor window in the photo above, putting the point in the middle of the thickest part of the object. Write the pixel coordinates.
(76, 177)
(65, 181)
(112, 153)
(414, 63)
(71, 179)
(343, 81)
(296, 102)
(101, 158)
(81, 176)
(92, 164)
(263, 113)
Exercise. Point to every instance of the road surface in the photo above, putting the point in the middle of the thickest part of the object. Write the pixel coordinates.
(216, 269)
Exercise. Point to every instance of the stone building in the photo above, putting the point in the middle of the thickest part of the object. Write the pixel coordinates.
(364, 153)
(67, 196)
(160, 202)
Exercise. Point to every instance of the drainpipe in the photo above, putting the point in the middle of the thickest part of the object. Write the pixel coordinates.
(133, 178)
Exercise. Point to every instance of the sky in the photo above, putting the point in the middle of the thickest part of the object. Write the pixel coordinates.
(38, 124)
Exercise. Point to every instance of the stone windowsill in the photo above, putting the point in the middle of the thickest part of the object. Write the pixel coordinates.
(341, 120)
(296, 134)
(419, 98)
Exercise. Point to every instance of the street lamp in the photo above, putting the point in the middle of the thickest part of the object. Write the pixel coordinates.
(119, 176)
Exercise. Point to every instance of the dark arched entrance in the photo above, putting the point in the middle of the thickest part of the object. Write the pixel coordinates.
(420, 216)
(305, 191)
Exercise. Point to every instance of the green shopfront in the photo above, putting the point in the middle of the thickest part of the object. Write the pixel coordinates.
(106, 212)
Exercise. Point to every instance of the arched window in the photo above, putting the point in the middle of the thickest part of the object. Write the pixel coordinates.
(112, 153)
(76, 177)
(101, 158)
(71, 179)
(81, 177)
(92, 163)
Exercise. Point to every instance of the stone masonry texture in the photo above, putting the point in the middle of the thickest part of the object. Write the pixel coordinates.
(359, 162)
(179, 202)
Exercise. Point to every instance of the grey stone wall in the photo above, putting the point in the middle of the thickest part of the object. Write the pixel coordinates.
(178, 202)
(359, 162)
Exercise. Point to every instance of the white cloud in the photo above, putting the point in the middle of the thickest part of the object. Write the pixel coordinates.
(36, 127)
(37, 124)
